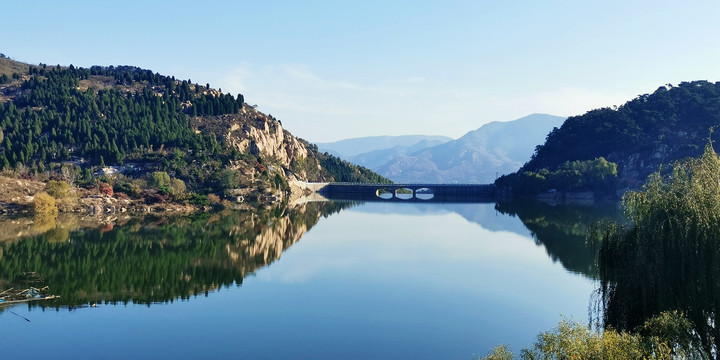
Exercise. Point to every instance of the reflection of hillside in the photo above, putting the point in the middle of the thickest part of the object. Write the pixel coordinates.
(483, 214)
(13, 228)
(156, 261)
(562, 230)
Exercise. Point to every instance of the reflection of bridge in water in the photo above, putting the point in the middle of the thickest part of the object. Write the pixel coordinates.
(410, 192)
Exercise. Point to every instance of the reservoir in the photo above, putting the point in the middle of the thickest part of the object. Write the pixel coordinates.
(325, 280)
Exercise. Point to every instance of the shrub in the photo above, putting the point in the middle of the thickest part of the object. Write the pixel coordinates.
(279, 182)
(121, 196)
(127, 188)
(57, 189)
(44, 204)
(227, 179)
(178, 186)
(159, 179)
(154, 197)
(106, 189)
(572, 340)
(140, 184)
(200, 200)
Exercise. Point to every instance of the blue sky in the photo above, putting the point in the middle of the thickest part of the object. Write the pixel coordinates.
(331, 70)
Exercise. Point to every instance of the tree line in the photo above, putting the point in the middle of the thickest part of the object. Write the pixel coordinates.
(101, 116)
(147, 262)
(651, 130)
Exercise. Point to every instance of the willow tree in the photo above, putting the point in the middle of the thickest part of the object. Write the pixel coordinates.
(668, 255)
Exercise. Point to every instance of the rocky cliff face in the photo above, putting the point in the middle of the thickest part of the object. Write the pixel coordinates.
(634, 167)
(265, 136)
(251, 131)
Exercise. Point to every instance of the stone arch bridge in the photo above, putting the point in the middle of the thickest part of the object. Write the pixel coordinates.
(409, 192)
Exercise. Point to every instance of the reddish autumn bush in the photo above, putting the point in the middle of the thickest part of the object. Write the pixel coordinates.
(154, 197)
(106, 189)
(121, 196)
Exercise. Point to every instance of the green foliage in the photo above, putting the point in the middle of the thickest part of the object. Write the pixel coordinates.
(659, 128)
(563, 230)
(57, 189)
(56, 119)
(342, 171)
(178, 186)
(573, 340)
(500, 352)
(279, 182)
(150, 261)
(216, 104)
(126, 188)
(143, 118)
(675, 330)
(227, 179)
(200, 200)
(598, 175)
(159, 179)
(570, 340)
(668, 257)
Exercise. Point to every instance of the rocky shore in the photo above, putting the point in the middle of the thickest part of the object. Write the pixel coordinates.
(17, 195)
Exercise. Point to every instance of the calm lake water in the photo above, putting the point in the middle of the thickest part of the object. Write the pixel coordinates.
(317, 281)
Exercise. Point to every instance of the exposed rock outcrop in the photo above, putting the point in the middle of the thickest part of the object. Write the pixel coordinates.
(253, 132)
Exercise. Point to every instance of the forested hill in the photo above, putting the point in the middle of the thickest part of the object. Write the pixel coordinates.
(52, 116)
(672, 123)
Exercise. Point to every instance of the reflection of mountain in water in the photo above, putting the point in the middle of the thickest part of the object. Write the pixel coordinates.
(563, 230)
(161, 260)
(483, 214)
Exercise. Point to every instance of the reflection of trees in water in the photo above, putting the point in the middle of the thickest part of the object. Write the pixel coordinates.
(562, 229)
(639, 282)
(641, 279)
(159, 260)
(668, 258)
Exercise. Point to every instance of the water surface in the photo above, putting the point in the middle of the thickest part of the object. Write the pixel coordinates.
(320, 281)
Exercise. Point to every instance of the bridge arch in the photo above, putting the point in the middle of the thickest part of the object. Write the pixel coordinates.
(404, 193)
(424, 193)
(384, 193)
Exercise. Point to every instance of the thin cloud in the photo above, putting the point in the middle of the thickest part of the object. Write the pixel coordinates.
(321, 108)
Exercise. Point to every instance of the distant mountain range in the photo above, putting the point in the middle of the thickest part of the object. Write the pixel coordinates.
(479, 156)
(374, 151)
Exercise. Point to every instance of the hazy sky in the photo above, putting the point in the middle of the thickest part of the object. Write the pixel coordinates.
(336, 69)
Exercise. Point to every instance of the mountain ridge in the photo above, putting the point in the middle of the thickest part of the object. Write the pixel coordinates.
(348, 148)
(632, 140)
(479, 156)
(82, 120)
